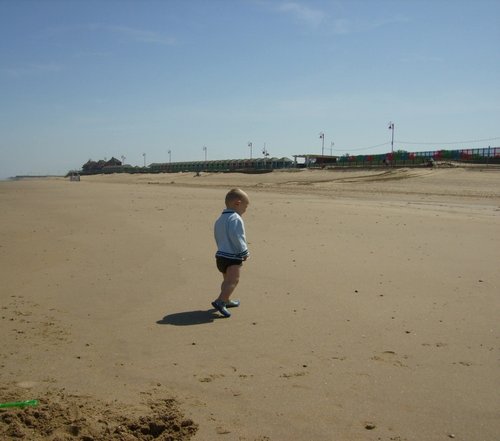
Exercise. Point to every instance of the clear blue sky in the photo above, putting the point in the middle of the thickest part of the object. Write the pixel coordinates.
(96, 79)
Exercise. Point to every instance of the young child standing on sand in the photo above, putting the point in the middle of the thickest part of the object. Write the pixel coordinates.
(232, 249)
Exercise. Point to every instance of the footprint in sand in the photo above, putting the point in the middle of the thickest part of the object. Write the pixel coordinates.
(210, 378)
(293, 374)
(437, 345)
(390, 357)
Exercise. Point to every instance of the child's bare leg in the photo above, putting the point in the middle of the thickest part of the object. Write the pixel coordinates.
(231, 279)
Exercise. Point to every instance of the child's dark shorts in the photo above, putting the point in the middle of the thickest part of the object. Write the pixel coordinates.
(223, 263)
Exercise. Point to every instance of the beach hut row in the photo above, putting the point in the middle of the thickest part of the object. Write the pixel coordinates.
(404, 158)
(487, 154)
(401, 158)
(223, 165)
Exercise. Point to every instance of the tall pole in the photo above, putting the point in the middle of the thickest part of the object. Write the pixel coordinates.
(391, 127)
(331, 148)
(144, 154)
(264, 151)
(205, 150)
(266, 154)
(250, 145)
(170, 156)
(322, 137)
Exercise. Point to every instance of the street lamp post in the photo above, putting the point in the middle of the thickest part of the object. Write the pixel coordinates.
(331, 148)
(205, 150)
(391, 127)
(144, 154)
(266, 154)
(250, 145)
(170, 156)
(322, 137)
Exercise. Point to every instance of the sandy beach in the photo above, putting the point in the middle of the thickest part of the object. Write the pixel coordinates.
(369, 307)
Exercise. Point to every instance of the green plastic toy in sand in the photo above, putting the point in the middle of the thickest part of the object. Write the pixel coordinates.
(19, 404)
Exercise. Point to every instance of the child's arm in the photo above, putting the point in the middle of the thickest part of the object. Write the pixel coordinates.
(238, 239)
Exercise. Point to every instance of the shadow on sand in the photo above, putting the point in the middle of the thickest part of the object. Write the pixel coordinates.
(189, 318)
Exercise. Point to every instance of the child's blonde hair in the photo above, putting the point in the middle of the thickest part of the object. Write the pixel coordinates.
(235, 194)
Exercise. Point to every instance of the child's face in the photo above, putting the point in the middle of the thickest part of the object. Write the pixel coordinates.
(240, 206)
